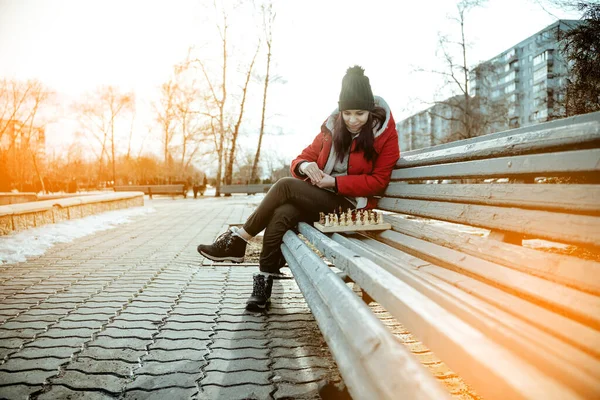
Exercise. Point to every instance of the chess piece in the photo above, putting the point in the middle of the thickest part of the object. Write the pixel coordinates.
(379, 218)
(335, 220)
(322, 218)
(349, 218)
(372, 218)
(327, 221)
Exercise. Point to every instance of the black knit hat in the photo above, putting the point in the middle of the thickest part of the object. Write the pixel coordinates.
(356, 91)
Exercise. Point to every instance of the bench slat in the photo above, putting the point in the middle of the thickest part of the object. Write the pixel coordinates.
(568, 134)
(494, 371)
(581, 306)
(558, 359)
(248, 189)
(572, 332)
(570, 271)
(567, 228)
(581, 199)
(577, 162)
(368, 357)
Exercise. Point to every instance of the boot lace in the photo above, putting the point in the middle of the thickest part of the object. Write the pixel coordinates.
(259, 286)
(224, 240)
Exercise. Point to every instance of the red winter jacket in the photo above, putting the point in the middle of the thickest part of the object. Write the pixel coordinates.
(364, 179)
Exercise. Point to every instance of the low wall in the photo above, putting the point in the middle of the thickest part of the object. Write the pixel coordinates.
(18, 217)
(16, 198)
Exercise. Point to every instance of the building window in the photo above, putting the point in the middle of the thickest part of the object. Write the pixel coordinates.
(540, 73)
(511, 53)
(510, 88)
(540, 58)
(510, 77)
(539, 87)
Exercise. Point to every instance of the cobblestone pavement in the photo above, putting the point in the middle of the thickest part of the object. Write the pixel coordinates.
(132, 313)
(135, 313)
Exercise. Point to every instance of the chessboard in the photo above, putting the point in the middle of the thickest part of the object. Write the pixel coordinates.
(351, 221)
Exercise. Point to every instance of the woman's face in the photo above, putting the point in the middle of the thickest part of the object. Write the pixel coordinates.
(355, 119)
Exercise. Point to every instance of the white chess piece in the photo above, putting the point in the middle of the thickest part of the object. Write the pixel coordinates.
(327, 221)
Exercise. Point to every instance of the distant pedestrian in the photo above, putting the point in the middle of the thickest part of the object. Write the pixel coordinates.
(348, 163)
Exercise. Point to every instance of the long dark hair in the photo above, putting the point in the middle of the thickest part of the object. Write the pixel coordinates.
(342, 138)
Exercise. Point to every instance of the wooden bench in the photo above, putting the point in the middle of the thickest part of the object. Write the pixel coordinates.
(248, 189)
(174, 190)
(513, 320)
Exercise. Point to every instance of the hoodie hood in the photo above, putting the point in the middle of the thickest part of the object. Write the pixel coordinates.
(379, 102)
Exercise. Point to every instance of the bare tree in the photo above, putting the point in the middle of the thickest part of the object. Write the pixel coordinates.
(99, 114)
(457, 72)
(22, 136)
(268, 15)
(218, 100)
(236, 129)
(165, 116)
(464, 113)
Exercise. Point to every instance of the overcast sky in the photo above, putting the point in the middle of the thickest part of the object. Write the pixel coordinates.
(74, 46)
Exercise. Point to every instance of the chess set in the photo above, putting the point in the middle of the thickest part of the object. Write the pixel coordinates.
(351, 221)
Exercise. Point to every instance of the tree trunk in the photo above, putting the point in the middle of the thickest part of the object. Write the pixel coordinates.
(231, 158)
(262, 120)
(221, 111)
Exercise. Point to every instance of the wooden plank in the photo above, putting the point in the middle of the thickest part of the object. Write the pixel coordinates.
(579, 199)
(569, 331)
(561, 361)
(156, 189)
(249, 189)
(567, 134)
(570, 271)
(572, 163)
(494, 372)
(582, 230)
(580, 306)
(372, 362)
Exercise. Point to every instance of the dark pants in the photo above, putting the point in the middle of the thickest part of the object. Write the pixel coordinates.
(288, 202)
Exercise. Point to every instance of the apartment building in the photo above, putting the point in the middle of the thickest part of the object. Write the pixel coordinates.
(530, 78)
(526, 83)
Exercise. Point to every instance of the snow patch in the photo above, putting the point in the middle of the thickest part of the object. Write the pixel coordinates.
(18, 246)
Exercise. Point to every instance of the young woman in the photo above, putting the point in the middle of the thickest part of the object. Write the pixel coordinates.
(348, 163)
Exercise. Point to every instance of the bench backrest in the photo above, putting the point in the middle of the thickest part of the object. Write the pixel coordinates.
(156, 189)
(249, 189)
(466, 182)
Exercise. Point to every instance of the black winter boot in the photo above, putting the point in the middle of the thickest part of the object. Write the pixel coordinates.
(261, 293)
(227, 247)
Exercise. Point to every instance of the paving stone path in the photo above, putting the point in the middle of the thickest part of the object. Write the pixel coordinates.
(132, 313)
(135, 313)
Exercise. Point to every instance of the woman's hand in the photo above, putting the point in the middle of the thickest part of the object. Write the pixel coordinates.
(327, 181)
(312, 170)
